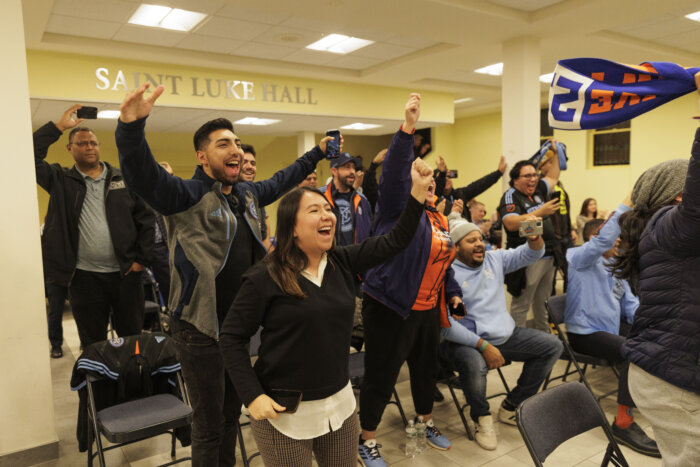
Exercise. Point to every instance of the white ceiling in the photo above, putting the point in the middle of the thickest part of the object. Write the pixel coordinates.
(426, 44)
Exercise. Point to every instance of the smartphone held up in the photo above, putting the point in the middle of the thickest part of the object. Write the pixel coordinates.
(333, 146)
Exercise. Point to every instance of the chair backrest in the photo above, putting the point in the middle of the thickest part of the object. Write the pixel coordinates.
(556, 305)
(557, 414)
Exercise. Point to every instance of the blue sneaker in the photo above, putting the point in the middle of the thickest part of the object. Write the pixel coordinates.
(435, 438)
(368, 454)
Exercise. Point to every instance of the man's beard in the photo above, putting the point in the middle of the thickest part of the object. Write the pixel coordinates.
(220, 176)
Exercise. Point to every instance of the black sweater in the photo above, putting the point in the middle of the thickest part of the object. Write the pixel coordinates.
(305, 342)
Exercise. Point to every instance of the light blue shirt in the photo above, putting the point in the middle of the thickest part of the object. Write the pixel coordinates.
(484, 297)
(595, 300)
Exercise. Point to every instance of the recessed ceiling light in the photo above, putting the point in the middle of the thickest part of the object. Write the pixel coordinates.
(339, 44)
(494, 70)
(159, 16)
(464, 99)
(108, 114)
(547, 78)
(694, 16)
(360, 126)
(256, 121)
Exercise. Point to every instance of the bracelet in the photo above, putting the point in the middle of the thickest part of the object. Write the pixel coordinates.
(483, 346)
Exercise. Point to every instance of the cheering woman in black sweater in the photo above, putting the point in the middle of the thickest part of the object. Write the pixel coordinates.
(303, 294)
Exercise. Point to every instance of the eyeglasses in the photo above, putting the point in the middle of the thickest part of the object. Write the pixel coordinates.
(529, 176)
(84, 144)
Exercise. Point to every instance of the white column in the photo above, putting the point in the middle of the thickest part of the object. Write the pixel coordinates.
(26, 400)
(520, 100)
(305, 141)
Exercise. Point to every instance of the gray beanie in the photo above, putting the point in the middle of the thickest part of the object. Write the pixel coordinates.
(460, 228)
(659, 185)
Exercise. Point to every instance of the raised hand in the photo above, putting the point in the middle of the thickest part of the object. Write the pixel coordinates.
(379, 158)
(458, 207)
(136, 106)
(441, 166)
(441, 205)
(67, 121)
(412, 112)
(502, 165)
(422, 177)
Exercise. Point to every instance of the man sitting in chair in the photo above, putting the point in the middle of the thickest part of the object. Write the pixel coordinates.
(487, 335)
(595, 304)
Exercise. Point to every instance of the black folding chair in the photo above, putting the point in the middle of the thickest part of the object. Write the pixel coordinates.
(549, 418)
(357, 372)
(555, 308)
(136, 419)
(448, 370)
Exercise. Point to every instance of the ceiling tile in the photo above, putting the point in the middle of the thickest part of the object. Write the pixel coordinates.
(248, 13)
(689, 40)
(310, 57)
(383, 51)
(150, 36)
(209, 7)
(208, 43)
(663, 29)
(529, 5)
(267, 51)
(319, 25)
(82, 27)
(231, 28)
(414, 42)
(115, 10)
(287, 37)
(352, 62)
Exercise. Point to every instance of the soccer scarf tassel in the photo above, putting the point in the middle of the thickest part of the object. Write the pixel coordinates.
(588, 93)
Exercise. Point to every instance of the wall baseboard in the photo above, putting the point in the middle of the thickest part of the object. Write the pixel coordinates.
(31, 456)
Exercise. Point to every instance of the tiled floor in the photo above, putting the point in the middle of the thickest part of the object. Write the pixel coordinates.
(585, 450)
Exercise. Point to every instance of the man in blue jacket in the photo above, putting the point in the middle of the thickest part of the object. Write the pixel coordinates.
(487, 335)
(596, 302)
(214, 236)
(351, 208)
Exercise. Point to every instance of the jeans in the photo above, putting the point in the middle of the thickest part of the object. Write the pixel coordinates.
(93, 295)
(538, 288)
(215, 404)
(57, 295)
(539, 351)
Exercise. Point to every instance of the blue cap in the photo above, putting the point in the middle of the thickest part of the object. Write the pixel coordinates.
(343, 158)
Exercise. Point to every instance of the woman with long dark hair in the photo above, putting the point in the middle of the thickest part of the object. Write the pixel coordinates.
(303, 295)
(589, 211)
(660, 258)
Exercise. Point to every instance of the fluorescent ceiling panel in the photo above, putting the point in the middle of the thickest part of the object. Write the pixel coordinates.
(108, 114)
(494, 70)
(256, 121)
(159, 16)
(339, 44)
(360, 126)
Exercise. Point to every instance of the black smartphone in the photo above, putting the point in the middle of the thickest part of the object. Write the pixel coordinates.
(458, 310)
(556, 195)
(452, 174)
(87, 112)
(286, 397)
(333, 146)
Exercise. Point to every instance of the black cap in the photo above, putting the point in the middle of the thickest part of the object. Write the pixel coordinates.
(343, 158)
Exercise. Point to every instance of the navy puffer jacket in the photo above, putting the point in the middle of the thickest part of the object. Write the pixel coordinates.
(665, 335)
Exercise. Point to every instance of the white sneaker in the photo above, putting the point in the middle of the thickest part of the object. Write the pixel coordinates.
(507, 416)
(485, 435)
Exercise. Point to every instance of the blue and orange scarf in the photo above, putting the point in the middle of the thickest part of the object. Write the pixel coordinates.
(588, 93)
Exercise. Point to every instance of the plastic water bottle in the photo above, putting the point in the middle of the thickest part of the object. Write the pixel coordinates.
(411, 446)
(422, 443)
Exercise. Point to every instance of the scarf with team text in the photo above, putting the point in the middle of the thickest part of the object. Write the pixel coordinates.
(589, 93)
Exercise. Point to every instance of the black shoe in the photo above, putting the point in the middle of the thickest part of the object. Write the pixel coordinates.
(56, 351)
(634, 438)
(437, 395)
